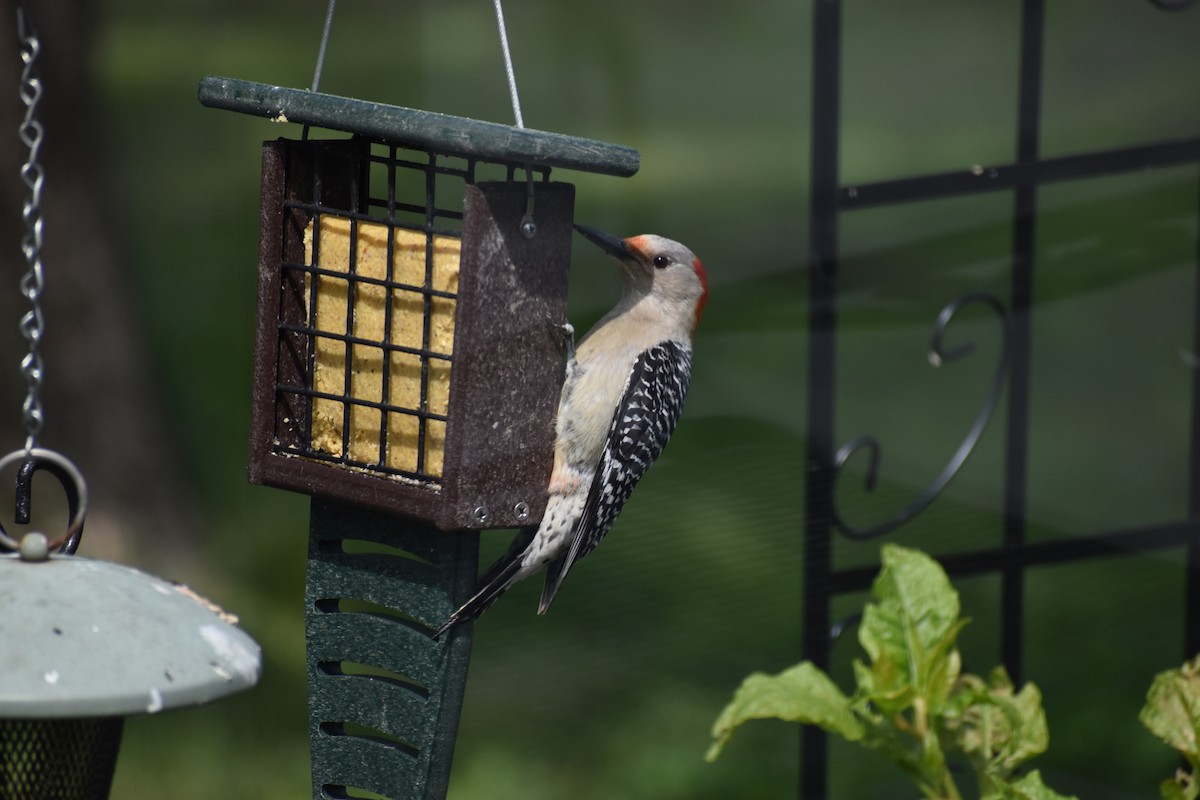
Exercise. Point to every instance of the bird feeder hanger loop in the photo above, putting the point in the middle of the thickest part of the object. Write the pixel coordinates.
(36, 546)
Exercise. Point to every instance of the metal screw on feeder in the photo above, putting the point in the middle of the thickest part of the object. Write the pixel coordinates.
(85, 643)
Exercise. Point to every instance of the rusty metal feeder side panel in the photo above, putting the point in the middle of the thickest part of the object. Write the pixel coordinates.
(509, 354)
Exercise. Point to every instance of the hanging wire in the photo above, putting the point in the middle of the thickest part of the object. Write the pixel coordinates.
(33, 281)
(316, 81)
(528, 226)
(508, 66)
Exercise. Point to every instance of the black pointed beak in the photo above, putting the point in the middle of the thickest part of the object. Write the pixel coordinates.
(607, 242)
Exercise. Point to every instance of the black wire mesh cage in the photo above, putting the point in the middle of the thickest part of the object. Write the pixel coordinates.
(412, 298)
(58, 759)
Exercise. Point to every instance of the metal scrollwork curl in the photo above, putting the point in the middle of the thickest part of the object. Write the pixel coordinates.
(843, 626)
(938, 355)
(1173, 5)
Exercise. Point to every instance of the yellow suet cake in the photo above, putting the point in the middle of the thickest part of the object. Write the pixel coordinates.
(368, 321)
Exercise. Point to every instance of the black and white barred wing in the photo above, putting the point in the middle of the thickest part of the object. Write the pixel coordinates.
(644, 420)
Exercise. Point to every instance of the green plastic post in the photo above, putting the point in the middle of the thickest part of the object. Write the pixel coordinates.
(384, 698)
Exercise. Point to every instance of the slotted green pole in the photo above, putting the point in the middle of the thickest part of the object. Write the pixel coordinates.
(384, 697)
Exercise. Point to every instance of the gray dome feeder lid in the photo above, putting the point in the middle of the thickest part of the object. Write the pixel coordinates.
(85, 638)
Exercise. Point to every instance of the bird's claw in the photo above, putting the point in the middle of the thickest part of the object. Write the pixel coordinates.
(568, 331)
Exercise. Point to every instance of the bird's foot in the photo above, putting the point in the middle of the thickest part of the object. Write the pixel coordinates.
(568, 331)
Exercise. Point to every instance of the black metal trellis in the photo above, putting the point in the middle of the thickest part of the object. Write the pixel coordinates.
(830, 199)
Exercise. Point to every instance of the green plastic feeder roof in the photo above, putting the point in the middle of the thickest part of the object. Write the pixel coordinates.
(85, 638)
(460, 135)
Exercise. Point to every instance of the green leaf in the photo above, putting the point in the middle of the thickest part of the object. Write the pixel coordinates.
(911, 588)
(1172, 790)
(997, 728)
(909, 634)
(885, 685)
(802, 693)
(1172, 710)
(1031, 788)
(913, 703)
(1031, 736)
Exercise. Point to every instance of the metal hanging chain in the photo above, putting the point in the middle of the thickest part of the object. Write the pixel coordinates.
(33, 324)
(36, 546)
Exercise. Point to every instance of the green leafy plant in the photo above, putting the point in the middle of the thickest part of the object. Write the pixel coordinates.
(913, 703)
(1172, 713)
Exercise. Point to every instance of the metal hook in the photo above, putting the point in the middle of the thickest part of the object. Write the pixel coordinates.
(72, 482)
(528, 226)
(24, 492)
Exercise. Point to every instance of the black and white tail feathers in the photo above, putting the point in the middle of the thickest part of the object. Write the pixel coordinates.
(493, 583)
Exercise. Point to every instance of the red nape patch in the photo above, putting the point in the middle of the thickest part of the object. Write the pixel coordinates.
(703, 276)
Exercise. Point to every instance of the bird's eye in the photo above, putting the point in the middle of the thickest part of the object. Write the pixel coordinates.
(661, 261)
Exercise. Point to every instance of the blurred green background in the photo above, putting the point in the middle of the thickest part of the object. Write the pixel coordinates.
(612, 695)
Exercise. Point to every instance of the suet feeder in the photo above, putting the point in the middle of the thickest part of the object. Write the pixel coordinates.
(409, 355)
(88, 643)
(411, 301)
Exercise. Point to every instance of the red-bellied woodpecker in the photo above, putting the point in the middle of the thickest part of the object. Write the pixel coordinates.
(623, 392)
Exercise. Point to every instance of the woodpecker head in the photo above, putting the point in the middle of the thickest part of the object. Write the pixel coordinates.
(657, 267)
